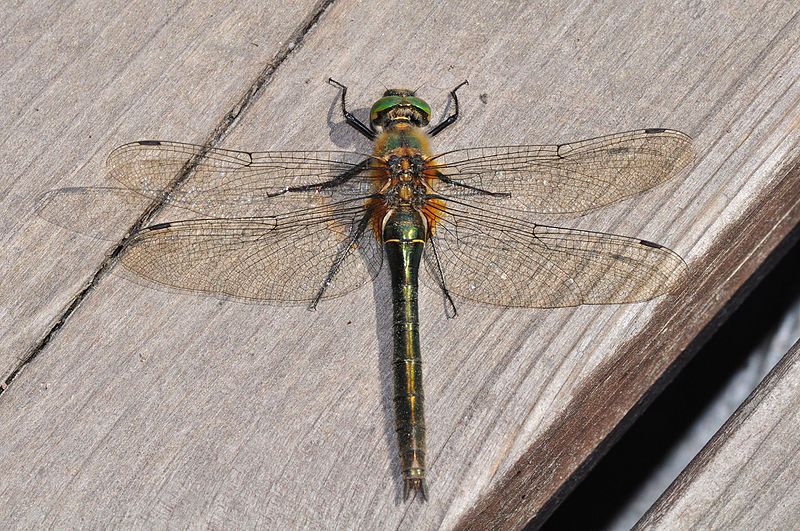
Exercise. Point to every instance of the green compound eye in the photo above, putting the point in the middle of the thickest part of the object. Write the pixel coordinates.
(387, 103)
(422, 106)
(383, 105)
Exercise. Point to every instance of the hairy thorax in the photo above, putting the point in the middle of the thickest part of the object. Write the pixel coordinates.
(403, 175)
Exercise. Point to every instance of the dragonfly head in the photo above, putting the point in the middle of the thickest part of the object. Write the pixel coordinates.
(399, 105)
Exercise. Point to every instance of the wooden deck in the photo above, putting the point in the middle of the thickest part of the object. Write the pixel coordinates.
(124, 406)
(747, 475)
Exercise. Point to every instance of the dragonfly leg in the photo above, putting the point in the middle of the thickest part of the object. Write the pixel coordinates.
(438, 274)
(349, 117)
(446, 179)
(441, 126)
(347, 248)
(336, 181)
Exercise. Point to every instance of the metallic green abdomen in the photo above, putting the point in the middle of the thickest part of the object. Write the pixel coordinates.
(404, 239)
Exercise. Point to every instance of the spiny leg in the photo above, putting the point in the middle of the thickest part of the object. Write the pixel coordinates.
(349, 246)
(453, 117)
(446, 179)
(349, 117)
(438, 274)
(336, 181)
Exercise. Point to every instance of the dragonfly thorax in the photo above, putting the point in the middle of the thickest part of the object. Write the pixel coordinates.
(406, 168)
(405, 178)
(406, 194)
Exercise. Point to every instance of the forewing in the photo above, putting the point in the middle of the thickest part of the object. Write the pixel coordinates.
(226, 183)
(285, 258)
(565, 178)
(104, 213)
(503, 261)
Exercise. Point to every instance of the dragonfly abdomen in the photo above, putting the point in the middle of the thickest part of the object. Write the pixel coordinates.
(404, 238)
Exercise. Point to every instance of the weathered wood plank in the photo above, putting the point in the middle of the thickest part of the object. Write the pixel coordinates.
(80, 79)
(614, 384)
(149, 407)
(747, 475)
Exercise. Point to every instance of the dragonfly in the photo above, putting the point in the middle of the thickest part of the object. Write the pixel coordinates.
(300, 227)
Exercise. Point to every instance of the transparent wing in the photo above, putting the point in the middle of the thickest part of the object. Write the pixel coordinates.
(565, 178)
(229, 183)
(283, 258)
(503, 261)
(104, 213)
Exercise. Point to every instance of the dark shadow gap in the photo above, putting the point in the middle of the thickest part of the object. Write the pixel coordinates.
(623, 471)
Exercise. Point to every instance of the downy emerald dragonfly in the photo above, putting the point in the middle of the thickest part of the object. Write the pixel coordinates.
(305, 226)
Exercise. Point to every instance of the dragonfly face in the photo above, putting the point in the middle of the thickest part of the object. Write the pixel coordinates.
(293, 227)
(399, 105)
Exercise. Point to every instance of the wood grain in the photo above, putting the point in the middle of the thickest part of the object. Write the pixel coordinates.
(746, 477)
(79, 80)
(150, 408)
(618, 382)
